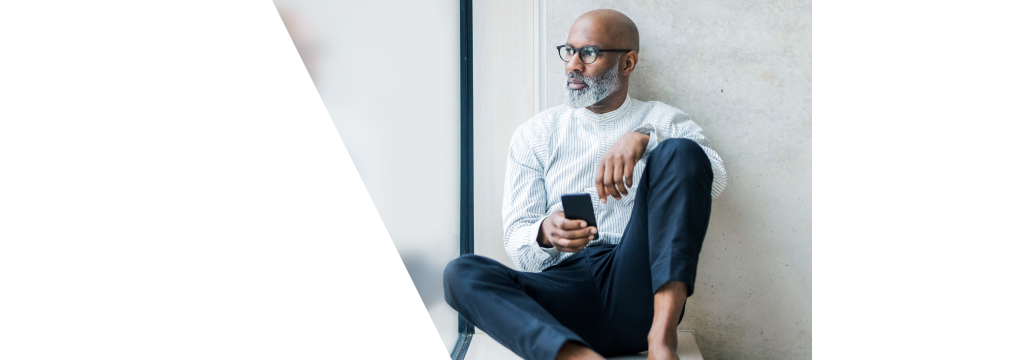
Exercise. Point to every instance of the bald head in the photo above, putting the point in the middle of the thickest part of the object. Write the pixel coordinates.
(609, 28)
(602, 84)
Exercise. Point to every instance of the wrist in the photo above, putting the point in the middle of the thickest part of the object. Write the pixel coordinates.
(541, 238)
(643, 138)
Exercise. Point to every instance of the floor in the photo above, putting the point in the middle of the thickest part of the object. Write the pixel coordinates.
(483, 347)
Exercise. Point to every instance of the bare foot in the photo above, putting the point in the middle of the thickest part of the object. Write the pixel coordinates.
(663, 345)
(662, 340)
(576, 351)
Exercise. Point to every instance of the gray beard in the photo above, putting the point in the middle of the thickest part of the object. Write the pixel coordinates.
(597, 88)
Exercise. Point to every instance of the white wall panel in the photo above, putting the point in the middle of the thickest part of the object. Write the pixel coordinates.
(504, 91)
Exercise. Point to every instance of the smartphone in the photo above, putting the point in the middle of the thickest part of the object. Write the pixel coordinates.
(579, 207)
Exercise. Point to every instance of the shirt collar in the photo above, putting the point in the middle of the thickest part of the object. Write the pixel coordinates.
(609, 116)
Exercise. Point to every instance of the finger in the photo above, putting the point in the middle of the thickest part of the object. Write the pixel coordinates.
(629, 168)
(558, 218)
(609, 182)
(564, 223)
(570, 245)
(609, 190)
(573, 225)
(561, 245)
(600, 183)
(575, 235)
(616, 177)
(553, 231)
(557, 233)
(619, 183)
(577, 245)
(581, 236)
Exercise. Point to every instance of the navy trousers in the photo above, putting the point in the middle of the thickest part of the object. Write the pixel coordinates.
(602, 296)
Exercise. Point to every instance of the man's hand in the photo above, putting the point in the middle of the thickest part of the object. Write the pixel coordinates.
(564, 234)
(618, 163)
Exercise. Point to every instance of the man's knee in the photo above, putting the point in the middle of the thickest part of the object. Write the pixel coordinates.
(679, 147)
(455, 270)
(460, 273)
(685, 155)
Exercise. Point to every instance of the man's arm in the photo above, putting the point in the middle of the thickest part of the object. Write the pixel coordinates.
(614, 174)
(679, 125)
(525, 207)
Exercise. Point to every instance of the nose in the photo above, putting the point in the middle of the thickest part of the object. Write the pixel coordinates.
(575, 63)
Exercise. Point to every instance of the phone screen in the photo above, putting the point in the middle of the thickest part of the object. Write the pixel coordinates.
(579, 207)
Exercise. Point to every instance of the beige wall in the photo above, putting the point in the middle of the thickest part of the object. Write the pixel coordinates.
(741, 70)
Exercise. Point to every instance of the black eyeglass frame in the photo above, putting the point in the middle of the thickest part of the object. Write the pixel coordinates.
(596, 51)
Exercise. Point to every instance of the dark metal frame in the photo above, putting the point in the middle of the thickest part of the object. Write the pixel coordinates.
(466, 242)
(596, 51)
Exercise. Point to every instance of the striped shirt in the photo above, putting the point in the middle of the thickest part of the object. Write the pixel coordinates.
(558, 151)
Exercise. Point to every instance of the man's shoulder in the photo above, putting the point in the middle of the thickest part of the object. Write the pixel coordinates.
(543, 122)
(659, 113)
(550, 116)
(654, 107)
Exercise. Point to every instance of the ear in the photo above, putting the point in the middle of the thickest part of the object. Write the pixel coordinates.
(630, 60)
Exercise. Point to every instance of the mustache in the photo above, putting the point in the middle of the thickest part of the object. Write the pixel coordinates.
(579, 76)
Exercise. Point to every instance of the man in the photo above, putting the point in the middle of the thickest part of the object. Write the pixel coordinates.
(651, 177)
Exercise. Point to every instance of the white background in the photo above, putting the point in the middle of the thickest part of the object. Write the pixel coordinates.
(173, 187)
(169, 189)
(916, 180)
(388, 74)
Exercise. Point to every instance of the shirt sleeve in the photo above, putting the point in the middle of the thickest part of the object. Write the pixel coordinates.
(525, 207)
(681, 126)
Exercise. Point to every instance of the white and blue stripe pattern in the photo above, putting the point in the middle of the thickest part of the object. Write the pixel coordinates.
(558, 151)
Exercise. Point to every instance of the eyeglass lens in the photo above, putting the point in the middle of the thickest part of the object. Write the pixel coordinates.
(588, 54)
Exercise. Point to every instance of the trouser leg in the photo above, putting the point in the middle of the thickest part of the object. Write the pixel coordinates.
(662, 241)
(532, 314)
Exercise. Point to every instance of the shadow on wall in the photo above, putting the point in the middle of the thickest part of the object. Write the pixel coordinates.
(426, 274)
(305, 42)
(384, 141)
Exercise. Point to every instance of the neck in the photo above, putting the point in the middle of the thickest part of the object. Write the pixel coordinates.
(611, 102)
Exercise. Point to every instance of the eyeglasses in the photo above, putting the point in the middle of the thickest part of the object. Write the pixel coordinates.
(588, 54)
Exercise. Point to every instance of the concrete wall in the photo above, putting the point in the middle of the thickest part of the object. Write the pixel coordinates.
(741, 70)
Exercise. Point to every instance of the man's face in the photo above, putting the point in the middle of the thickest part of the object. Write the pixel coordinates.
(582, 91)
(587, 84)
